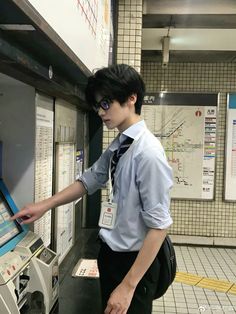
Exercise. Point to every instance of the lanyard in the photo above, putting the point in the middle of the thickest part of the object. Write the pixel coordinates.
(110, 198)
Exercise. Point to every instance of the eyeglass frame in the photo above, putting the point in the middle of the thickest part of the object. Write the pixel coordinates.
(100, 104)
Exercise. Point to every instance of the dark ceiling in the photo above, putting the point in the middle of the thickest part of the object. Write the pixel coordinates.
(27, 55)
(190, 21)
(187, 15)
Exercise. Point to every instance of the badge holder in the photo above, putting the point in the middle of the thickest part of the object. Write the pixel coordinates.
(107, 217)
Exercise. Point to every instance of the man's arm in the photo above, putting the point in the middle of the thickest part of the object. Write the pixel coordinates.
(94, 178)
(121, 297)
(34, 211)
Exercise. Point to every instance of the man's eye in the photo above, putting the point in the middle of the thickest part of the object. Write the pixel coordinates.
(105, 104)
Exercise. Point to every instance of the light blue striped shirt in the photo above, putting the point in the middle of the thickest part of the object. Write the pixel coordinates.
(143, 180)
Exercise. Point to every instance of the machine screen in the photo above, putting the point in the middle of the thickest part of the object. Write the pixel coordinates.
(8, 229)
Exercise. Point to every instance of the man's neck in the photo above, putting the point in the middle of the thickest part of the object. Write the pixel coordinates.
(133, 120)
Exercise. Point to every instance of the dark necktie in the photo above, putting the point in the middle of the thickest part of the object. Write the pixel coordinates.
(117, 154)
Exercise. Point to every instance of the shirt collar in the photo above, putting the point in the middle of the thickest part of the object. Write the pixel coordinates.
(133, 130)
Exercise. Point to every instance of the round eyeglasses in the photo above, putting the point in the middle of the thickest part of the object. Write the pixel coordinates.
(104, 103)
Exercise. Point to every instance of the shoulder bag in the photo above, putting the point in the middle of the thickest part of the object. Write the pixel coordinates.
(167, 259)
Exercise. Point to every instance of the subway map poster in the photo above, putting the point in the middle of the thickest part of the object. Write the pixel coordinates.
(186, 126)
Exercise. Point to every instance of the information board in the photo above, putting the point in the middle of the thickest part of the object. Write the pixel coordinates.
(65, 174)
(44, 162)
(186, 126)
(230, 152)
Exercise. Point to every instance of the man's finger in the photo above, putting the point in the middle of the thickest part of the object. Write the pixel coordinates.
(22, 217)
(108, 309)
(20, 214)
(27, 220)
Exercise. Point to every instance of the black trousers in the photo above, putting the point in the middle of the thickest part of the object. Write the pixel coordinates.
(113, 266)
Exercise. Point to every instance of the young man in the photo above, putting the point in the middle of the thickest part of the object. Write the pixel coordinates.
(141, 180)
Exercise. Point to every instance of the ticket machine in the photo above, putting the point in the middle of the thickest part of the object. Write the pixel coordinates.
(28, 270)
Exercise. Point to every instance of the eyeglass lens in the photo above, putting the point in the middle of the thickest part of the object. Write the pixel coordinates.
(103, 103)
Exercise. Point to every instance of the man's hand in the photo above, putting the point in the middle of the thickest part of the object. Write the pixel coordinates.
(120, 299)
(30, 213)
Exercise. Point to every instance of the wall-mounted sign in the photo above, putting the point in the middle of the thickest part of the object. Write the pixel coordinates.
(230, 152)
(186, 126)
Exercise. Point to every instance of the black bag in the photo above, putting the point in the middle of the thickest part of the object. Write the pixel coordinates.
(167, 259)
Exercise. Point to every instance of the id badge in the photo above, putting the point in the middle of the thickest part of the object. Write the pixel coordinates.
(107, 215)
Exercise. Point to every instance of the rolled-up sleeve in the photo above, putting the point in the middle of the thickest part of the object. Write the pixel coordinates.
(155, 179)
(96, 176)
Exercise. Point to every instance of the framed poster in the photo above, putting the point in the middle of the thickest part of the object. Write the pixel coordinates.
(186, 126)
(65, 138)
(230, 149)
(65, 220)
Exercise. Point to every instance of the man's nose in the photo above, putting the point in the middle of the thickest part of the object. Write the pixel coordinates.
(101, 112)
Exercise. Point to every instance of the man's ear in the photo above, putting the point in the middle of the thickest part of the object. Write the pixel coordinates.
(132, 99)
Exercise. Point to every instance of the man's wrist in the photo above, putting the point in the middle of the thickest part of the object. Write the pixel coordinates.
(131, 283)
(49, 203)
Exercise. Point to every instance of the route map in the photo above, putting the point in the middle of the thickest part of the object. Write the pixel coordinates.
(188, 135)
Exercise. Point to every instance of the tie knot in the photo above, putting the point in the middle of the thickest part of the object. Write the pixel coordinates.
(124, 146)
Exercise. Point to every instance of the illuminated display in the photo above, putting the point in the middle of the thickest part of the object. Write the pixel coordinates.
(8, 229)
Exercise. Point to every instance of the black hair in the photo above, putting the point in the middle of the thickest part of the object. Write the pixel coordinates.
(117, 82)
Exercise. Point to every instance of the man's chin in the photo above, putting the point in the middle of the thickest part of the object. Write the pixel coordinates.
(109, 126)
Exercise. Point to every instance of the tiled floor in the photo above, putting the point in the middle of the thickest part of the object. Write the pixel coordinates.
(81, 296)
(215, 263)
